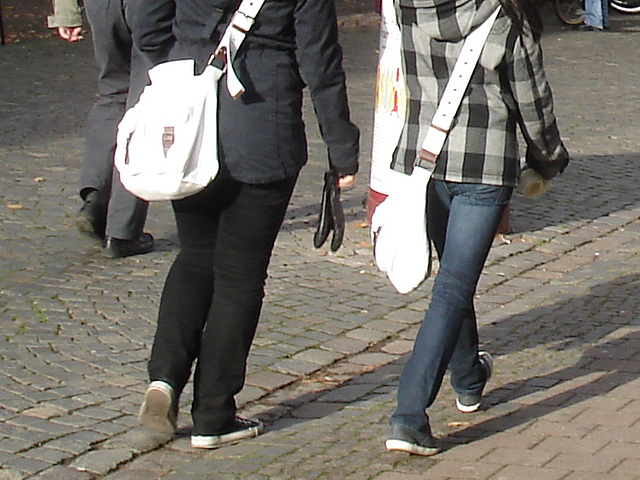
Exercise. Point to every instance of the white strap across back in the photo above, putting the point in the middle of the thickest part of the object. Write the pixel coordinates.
(233, 36)
(454, 91)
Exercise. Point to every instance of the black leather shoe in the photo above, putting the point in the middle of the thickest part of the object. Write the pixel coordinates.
(92, 217)
(118, 248)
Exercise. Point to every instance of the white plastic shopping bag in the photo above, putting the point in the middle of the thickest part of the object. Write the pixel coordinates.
(401, 245)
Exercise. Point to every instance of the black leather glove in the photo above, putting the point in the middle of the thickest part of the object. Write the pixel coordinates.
(331, 214)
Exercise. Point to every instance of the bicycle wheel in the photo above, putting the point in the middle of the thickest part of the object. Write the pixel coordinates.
(626, 6)
(569, 12)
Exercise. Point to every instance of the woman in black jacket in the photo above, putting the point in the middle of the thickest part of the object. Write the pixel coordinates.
(213, 294)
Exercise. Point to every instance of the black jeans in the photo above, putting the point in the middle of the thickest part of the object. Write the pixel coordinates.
(213, 294)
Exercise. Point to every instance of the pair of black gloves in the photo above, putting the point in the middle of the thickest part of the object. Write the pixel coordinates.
(331, 214)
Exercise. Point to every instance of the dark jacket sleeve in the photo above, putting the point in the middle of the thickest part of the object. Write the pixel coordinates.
(153, 28)
(320, 60)
(546, 153)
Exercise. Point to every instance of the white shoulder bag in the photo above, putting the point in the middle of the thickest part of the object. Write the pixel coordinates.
(401, 244)
(167, 144)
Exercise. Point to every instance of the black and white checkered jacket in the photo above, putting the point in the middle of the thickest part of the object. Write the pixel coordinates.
(508, 89)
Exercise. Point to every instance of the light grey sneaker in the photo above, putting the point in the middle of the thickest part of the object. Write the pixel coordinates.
(243, 428)
(468, 403)
(159, 410)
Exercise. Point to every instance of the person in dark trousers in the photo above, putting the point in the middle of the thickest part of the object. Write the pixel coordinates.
(213, 293)
(109, 212)
(472, 181)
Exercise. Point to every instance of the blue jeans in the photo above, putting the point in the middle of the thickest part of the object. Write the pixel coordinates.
(596, 13)
(462, 219)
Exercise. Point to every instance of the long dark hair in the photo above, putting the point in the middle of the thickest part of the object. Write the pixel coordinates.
(523, 13)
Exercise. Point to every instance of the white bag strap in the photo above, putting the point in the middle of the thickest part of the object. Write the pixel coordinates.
(454, 91)
(233, 36)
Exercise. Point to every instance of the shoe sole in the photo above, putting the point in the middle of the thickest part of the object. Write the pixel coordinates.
(467, 408)
(394, 445)
(112, 248)
(155, 413)
(114, 254)
(215, 441)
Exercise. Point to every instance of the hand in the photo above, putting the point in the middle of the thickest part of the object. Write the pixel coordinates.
(347, 181)
(533, 184)
(71, 34)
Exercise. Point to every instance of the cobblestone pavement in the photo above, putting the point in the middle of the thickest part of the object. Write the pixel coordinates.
(558, 304)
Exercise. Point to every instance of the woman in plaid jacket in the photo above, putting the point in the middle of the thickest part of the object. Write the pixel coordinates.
(471, 182)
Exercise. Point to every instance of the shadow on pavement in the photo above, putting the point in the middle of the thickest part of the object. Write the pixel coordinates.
(593, 338)
(585, 191)
(604, 341)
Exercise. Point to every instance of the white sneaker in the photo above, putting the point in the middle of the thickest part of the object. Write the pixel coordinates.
(243, 428)
(159, 410)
